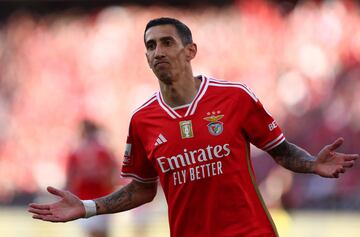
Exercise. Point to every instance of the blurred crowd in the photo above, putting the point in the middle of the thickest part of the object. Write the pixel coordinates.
(58, 68)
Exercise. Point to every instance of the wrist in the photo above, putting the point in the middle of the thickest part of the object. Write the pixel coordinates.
(313, 166)
(90, 208)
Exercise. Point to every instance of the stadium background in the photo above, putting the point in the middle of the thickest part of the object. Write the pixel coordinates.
(61, 61)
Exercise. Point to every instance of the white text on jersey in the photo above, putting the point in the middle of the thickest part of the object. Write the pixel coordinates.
(196, 164)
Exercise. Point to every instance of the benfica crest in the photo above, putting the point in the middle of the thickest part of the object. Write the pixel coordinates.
(215, 127)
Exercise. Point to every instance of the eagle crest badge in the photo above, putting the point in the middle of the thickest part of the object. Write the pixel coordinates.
(215, 126)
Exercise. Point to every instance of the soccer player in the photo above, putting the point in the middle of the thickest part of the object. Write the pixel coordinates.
(91, 173)
(194, 137)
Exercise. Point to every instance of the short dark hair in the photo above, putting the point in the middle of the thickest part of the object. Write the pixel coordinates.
(89, 128)
(182, 29)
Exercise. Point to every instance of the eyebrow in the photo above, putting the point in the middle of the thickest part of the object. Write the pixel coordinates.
(162, 39)
(167, 38)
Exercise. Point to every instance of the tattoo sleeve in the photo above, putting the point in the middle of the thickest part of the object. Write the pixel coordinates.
(293, 157)
(132, 195)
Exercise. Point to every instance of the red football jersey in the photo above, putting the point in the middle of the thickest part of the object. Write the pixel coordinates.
(200, 154)
(90, 170)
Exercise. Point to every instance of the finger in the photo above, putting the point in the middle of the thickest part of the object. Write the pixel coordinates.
(39, 217)
(39, 212)
(45, 218)
(55, 191)
(51, 218)
(40, 206)
(336, 144)
(348, 164)
(349, 157)
(346, 157)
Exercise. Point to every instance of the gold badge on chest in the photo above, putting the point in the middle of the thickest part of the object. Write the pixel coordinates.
(186, 129)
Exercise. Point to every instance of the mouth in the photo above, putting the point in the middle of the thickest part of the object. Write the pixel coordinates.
(160, 63)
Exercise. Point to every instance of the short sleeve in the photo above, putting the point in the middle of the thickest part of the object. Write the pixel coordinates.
(260, 127)
(135, 163)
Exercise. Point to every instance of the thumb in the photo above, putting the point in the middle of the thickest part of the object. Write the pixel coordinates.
(336, 144)
(55, 191)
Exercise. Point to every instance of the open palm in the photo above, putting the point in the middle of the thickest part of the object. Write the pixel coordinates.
(68, 208)
(330, 163)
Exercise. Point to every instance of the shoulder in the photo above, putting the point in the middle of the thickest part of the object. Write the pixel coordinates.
(232, 88)
(146, 108)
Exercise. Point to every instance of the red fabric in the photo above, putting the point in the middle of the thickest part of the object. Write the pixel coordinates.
(207, 178)
(90, 171)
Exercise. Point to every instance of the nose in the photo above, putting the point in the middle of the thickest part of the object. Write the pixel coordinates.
(159, 52)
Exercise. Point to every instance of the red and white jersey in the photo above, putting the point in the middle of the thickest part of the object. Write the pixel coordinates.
(200, 154)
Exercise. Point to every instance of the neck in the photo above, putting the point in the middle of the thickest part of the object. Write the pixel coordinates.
(181, 91)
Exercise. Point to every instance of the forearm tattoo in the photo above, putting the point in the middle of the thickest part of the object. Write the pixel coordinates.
(293, 157)
(118, 201)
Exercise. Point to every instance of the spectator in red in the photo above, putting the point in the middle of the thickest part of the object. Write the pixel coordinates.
(91, 173)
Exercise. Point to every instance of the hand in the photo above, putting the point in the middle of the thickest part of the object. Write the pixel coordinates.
(68, 208)
(330, 164)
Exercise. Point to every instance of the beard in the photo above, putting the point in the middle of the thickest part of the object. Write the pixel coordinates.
(164, 77)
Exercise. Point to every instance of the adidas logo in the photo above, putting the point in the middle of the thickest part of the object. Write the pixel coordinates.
(160, 140)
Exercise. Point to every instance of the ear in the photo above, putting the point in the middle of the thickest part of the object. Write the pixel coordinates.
(191, 50)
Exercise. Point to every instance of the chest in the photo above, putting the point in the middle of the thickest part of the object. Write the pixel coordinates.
(210, 128)
(195, 147)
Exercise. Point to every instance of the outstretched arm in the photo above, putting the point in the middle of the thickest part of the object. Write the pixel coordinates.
(328, 163)
(132, 195)
(70, 207)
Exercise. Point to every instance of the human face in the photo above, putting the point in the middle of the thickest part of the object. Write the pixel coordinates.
(166, 54)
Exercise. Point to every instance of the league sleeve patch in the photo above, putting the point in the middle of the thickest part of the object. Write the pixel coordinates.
(128, 160)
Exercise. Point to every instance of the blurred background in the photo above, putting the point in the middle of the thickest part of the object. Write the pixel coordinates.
(61, 62)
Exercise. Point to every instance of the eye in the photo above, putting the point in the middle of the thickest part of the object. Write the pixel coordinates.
(167, 42)
(150, 46)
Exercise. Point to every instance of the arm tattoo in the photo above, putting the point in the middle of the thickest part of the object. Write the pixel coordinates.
(293, 157)
(121, 200)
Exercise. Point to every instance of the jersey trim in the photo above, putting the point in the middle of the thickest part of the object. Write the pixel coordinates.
(171, 112)
(253, 180)
(138, 178)
(148, 102)
(214, 82)
(274, 143)
(202, 89)
(181, 107)
(192, 107)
